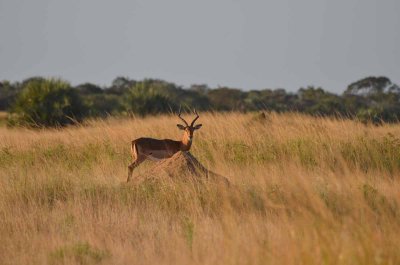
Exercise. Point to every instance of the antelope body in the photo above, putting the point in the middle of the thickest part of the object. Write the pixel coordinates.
(156, 149)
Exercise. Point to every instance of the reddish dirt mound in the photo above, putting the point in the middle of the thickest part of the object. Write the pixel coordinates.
(182, 165)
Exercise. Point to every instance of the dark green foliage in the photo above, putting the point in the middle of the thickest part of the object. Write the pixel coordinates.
(150, 97)
(379, 114)
(371, 85)
(226, 99)
(8, 94)
(369, 100)
(102, 105)
(120, 85)
(89, 88)
(277, 100)
(47, 102)
(316, 101)
(99, 102)
(353, 104)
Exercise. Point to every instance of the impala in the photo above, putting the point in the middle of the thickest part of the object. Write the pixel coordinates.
(156, 149)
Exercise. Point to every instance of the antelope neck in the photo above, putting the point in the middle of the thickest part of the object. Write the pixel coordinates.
(185, 143)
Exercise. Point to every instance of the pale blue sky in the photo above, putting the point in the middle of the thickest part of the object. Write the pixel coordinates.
(244, 44)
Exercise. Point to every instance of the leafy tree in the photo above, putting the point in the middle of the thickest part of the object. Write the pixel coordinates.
(192, 99)
(30, 79)
(144, 104)
(88, 88)
(47, 102)
(225, 98)
(353, 103)
(120, 86)
(150, 97)
(377, 97)
(98, 102)
(379, 114)
(316, 101)
(201, 89)
(8, 94)
(276, 100)
(102, 105)
(372, 85)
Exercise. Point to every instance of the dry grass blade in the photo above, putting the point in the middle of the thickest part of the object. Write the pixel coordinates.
(305, 191)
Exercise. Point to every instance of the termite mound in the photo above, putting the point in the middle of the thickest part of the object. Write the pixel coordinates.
(181, 166)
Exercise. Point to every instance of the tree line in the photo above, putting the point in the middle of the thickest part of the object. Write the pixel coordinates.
(39, 101)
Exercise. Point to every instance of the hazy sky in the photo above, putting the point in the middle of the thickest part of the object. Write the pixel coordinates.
(244, 44)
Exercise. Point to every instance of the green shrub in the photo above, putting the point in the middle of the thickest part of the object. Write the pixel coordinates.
(149, 104)
(47, 103)
(150, 97)
(80, 253)
(379, 114)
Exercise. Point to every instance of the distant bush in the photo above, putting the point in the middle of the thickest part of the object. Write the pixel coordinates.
(144, 104)
(150, 97)
(47, 103)
(8, 94)
(379, 114)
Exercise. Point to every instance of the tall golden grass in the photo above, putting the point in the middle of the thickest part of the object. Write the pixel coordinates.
(305, 191)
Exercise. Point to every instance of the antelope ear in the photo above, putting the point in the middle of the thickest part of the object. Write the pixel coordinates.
(181, 127)
(198, 126)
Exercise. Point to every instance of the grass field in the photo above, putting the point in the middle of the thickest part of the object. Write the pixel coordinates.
(305, 191)
(3, 118)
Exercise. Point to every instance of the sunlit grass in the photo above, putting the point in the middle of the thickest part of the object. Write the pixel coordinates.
(305, 191)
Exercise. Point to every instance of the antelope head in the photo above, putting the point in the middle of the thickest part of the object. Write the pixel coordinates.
(188, 129)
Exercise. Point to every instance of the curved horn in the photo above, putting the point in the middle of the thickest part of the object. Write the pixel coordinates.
(179, 115)
(197, 116)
